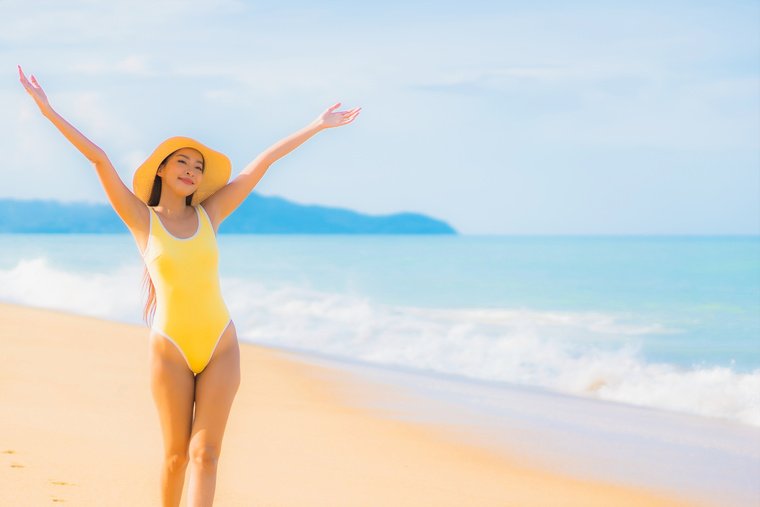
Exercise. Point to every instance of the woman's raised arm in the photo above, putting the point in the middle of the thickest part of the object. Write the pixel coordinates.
(228, 198)
(131, 209)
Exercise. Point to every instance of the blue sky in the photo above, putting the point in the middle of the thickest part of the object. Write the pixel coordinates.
(499, 117)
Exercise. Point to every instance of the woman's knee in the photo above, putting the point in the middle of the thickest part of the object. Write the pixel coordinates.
(205, 456)
(175, 461)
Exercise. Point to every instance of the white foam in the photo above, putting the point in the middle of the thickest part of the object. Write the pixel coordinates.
(587, 354)
(110, 296)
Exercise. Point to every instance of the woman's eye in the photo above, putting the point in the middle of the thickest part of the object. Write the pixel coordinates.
(181, 161)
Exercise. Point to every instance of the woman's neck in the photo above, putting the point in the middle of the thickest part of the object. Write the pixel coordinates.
(173, 205)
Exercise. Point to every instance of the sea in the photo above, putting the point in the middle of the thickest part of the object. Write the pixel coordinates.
(668, 323)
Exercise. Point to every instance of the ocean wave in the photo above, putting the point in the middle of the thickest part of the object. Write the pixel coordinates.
(34, 282)
(581, 353)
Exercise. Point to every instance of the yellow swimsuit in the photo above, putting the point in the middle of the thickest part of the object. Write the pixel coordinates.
(190, 310)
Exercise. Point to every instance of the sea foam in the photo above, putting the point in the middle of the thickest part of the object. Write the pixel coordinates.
(581, 353)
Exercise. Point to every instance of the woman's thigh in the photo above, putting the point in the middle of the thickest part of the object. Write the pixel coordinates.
(173, 387)
(215, 389)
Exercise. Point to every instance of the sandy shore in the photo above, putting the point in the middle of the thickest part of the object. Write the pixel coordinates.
(77, 425)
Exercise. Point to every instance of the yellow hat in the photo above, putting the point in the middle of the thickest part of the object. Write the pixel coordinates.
(216, 169)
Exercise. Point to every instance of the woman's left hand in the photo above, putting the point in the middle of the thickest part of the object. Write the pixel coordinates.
(332, 118)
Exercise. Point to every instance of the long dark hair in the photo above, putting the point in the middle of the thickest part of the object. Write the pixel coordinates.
(149, 310)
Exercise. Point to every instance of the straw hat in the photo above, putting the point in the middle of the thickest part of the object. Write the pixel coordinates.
(216, 169)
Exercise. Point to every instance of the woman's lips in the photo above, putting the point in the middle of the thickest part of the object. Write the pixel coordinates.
(186, 181)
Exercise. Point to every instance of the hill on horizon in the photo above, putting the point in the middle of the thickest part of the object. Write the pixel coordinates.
(256, 215)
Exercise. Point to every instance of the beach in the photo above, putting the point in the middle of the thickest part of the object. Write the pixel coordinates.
(79, 427)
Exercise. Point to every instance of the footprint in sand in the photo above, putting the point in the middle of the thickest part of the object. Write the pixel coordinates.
(61, 483)
(13, 465)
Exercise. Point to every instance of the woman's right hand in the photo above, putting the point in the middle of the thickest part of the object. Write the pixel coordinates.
(34, 89)
(131, 209)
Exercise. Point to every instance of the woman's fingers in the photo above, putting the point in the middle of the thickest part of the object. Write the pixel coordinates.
(30, 83)
(349, 116)
(352, 113)
(333, 118)
(24, 81)
(22, 77)
(36, 84)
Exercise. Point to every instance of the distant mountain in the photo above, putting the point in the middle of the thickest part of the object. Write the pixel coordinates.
(257, 215)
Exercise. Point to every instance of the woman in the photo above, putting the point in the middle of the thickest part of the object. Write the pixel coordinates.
(181, 195)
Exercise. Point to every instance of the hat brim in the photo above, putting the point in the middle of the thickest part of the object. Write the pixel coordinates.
(216, 169)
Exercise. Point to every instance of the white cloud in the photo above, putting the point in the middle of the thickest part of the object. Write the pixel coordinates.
(136, 65)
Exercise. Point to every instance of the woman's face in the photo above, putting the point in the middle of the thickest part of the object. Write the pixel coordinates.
(182, 172)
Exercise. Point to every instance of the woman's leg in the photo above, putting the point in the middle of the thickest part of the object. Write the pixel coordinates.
(173, 386)
(215, 388)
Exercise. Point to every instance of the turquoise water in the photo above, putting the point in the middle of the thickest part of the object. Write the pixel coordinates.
(706, 287)
(672, 322)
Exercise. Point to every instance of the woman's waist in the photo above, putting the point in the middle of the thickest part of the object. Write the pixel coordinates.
(192, 296)
(199, 311)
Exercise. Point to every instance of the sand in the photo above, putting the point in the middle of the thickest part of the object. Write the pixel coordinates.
(78, 426)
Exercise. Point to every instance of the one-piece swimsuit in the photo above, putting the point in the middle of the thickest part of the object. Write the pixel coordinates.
(190, 311)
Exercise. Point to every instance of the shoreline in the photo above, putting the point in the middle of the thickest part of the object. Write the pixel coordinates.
(79, 425)
(706, 459)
